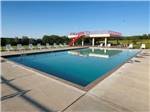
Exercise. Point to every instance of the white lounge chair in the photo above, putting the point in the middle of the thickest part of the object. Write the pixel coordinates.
(39, 46)
(61, 45)
(20, 47)
(65, 45)
(108, 45)
(31, 46)
(55, 45)
(143, 46)
(101, 45)
(48, 46)
(130, 46)
(8, 47)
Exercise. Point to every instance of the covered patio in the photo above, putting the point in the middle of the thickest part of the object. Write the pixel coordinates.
(94, 35)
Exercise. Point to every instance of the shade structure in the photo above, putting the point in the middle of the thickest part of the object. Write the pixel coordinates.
(75, 36)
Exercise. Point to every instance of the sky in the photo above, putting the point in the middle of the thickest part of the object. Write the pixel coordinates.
(37, 18)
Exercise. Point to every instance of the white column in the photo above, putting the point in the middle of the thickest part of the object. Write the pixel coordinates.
(105, 42)
(82, 42)
(93, 41)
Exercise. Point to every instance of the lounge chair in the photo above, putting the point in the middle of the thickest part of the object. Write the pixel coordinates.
(48, 46)
(31, 47)
(8, 47)
(55, 45)
(143, 46)
(39, 46)
(108, 45)
(20, 47)
(130, 46)
(65, 45)
(101, 45)
(61, 45)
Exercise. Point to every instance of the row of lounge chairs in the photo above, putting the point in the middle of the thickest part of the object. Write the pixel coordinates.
(101, 45)
(143, 46)
(8, 47)
(39, 46)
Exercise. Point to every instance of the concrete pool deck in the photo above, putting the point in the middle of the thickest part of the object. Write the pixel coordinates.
(7, 53)
(126, 89)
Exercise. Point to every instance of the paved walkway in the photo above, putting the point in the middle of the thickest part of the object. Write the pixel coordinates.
(125, 90)
(24, 90)
(37, 50)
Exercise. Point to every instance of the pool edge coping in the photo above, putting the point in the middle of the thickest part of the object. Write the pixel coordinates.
(99, 79)
(69, 83)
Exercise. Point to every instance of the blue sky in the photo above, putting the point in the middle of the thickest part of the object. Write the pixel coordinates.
(36, 19)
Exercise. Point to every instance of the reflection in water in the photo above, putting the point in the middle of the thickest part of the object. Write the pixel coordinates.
(102, 53)
(92, 49)
(105, 50)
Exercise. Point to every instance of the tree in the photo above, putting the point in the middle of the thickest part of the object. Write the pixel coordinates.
(16, 40)
(25, 40)
(39, 41)
(32, 41)
(46, 39)
(54, 39)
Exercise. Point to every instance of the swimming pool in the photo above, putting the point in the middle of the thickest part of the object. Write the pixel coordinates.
(81, 67)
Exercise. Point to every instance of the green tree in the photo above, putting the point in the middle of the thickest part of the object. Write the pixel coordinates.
(25, 40)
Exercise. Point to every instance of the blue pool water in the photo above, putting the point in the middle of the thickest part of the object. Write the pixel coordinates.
(76, 66)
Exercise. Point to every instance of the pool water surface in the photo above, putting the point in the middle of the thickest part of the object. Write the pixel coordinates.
(77, 66)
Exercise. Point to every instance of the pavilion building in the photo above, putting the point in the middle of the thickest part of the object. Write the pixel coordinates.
(93, 35)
